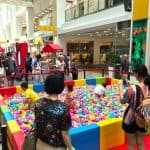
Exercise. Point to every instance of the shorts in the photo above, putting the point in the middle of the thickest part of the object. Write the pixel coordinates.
(132, 128)
(11, 78)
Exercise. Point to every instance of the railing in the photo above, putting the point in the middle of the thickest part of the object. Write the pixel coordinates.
(89, 7)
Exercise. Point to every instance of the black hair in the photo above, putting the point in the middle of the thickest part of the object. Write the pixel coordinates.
(104, 85)
(70, 88)
(24, 85)
(147, 81)
(141, 70)
(54, 83)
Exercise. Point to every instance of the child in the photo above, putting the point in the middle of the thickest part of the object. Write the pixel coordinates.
(69, 89)
(31, 96)
(100, 91)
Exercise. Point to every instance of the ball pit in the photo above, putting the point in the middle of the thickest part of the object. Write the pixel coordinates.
(85, 107)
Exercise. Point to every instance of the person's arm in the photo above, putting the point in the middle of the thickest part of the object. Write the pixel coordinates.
(65, 124)
(67, 139)
(121, 93)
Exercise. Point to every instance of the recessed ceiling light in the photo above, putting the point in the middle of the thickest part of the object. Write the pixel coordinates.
(105, 31)
(108, 29)
(78, 34)
(110, 33)
(97, 32)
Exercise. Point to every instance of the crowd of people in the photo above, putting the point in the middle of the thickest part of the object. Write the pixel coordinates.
(37, 67)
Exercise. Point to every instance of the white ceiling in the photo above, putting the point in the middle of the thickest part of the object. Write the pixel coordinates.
(17, 2)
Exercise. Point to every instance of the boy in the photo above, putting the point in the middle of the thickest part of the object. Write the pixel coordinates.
(31, 96)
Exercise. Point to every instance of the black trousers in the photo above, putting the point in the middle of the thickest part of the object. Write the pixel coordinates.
(74, 76)
(28, 70)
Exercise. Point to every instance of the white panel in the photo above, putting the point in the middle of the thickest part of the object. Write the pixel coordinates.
(108, 16)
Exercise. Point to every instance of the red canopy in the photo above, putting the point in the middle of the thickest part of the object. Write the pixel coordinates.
(52, 48)
(1, 49)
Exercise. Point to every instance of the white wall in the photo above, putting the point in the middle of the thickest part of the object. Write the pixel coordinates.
(108, 16)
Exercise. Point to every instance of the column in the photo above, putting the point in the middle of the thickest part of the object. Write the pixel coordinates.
(19, 26)
(30, 22)
(62, 41)
(96, 52)
(140, 33)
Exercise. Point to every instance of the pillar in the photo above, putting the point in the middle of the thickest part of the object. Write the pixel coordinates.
(19, 26)
(140, 33)
(96, 52)
(30, 22)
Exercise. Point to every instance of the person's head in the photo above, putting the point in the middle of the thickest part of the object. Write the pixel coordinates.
(140, 72)
(147, 81)
(54, 83)
(24, 86)
(99, 91)
(38, 57)
(28, 54)
(9, 54)
(69, 88)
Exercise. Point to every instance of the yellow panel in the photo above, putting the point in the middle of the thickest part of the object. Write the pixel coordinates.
(140, 9)
(80, 82)
(115, 81)
(111, 133)
(47, 28)
(20, 91)
(13, 126)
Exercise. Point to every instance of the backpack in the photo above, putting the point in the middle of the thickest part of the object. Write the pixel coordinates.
(144, 111)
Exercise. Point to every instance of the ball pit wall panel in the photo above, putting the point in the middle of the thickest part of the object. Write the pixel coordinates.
(80, 82)
(13, 126)
(85, 137)
(91, 81)
(108, 80)
(69, 82)
(8, 91)
(111, 133)
(18, 140)
(38, 87)
(8, 116)
(114, 81)
(100, 80)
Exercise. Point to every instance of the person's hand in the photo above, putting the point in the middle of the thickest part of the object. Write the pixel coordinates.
(13, 73)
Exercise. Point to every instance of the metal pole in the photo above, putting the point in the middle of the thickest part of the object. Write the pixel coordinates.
(84, 73)
(4, 137)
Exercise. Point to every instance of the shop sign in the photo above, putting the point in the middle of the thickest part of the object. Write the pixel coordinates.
(47, 28)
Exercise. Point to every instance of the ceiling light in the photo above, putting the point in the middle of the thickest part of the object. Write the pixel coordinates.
(78, 34)
(110, 33)
(97, 32)
(108, 29)
(105, 31)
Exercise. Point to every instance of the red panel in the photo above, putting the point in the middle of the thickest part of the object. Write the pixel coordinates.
(8, 91)
(69, 82)
(108, 81)
(18, 140)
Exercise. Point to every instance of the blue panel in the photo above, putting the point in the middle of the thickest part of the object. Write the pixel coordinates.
(91, 81)
(8, 116)
(86, 137)
(38, 87)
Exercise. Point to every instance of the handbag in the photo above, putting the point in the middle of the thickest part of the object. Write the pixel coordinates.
(144, 110)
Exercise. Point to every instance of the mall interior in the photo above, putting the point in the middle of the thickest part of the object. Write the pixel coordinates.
(98, 35)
